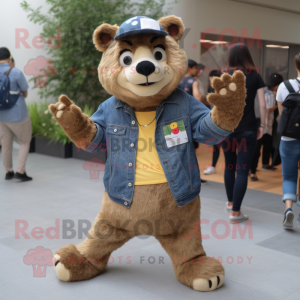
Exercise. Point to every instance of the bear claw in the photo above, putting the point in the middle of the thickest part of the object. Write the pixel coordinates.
(62, 273)
(207, 285)
(61, 106)
(59, 114)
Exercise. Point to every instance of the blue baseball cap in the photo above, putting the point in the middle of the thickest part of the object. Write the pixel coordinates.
(139, 24)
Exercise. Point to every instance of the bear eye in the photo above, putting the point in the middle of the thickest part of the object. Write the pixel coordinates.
(159, 53)
(126, 58)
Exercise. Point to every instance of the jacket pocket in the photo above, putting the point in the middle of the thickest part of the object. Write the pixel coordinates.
(115, 134)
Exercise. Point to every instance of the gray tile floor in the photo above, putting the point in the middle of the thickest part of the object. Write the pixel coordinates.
(263, 266)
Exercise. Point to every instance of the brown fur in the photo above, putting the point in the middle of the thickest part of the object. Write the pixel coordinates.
(228, 110)
(179, 233)
(80, 129)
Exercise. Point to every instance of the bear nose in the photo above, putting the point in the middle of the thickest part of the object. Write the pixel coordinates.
(145, 68)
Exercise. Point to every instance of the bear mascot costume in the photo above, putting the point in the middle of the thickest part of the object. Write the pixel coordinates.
(148, 126)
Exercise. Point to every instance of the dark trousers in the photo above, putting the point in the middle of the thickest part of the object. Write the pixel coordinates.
(266, 142)
(216, 154)
(238, 151)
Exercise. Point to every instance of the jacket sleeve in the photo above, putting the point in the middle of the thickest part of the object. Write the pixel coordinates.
(204, 130)
(99, 141)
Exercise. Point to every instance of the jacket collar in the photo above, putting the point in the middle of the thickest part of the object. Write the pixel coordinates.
(170, 100)
(4, 65)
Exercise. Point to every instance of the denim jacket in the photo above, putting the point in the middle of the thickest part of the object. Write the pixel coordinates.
(118, 133)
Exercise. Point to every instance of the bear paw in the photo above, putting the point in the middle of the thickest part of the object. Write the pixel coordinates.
(228, 89)
(228, 101)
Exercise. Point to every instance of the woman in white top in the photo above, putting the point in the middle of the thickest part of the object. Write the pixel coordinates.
(290, 155)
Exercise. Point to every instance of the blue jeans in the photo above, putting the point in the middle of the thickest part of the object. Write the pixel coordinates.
(290, 155)
(239, 162)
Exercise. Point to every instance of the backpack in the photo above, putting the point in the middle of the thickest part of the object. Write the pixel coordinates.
(289, 123)
(7, 98)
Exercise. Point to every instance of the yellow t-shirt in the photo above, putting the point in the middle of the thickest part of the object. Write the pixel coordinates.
(148, 169)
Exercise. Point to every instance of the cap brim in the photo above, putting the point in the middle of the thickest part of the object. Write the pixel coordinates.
(134, 32)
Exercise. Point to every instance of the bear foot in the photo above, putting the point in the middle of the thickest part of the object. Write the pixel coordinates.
(70, 265)
(211, 275)
(203, 274)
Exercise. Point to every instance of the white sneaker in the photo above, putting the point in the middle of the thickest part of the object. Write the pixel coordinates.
(210, 170)
(233, 219)
(228, 208)
(288, 218)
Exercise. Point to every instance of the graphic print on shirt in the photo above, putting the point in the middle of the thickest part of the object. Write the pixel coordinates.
(175, 134)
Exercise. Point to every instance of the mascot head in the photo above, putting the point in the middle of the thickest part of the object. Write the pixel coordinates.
(142, 63)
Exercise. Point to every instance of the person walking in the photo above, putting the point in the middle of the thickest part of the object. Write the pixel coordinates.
(15, 120)
(239, 147)
(266, 141)
(216, 148)
(289, 152)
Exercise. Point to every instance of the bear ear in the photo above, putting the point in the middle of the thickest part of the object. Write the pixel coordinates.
(104, 35)
(173, 25)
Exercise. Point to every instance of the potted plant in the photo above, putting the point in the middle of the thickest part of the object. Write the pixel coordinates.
(50, 139)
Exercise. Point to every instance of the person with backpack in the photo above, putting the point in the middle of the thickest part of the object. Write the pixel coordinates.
(14, 116)
(266, 141)
(288, 98)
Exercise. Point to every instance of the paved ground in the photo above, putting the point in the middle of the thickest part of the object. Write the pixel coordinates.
(263, 266)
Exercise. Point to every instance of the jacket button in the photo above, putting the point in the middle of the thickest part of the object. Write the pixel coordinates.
(133, 122)
(130, 164)
(125, 203)
(115, 130)
(132, 145)
(129, 184)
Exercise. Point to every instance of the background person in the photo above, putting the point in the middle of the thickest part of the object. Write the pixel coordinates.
(216, 148)
(201, 69)
(290, 155)
(245, 134)
(15, 121)
(190, 85)
(266, 141)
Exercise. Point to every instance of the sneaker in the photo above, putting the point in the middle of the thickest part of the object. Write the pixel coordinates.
(288, 218)
(268, 168)
(253, 177)
(22, 177)
(233, 219)
(298, 220)
(210, 170)
(203, 182)
(228, 208)
(9, 175)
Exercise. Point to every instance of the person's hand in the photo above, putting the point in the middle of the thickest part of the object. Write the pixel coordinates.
(260, 133)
